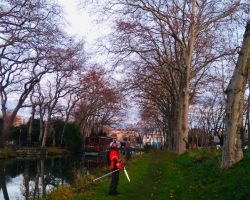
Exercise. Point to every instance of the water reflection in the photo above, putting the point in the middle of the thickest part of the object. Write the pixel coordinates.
(33, 178)
(23, 179)
(101, 160)
(95, 161)
(3, 183)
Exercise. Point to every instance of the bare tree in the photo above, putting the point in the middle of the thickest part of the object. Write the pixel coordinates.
(29, 47)
(183, 38)
(61, 85)
(33, 110)
(47, 94)
(101, 101)
(211, 116)
(71, 100)
(40, 100)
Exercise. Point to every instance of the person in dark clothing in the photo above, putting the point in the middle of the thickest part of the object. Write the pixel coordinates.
(114, 165)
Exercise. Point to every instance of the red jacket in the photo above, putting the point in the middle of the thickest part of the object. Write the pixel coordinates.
(115, 160)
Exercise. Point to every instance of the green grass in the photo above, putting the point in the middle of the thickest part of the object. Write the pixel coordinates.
(7, 153)
(10, 152)
(159, 175)
(56, 151)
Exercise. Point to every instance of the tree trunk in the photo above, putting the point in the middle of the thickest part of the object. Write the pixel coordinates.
(31, 125)
(181, 132)
(63, 132)
(248, 118)
(8, 120)
(41, 125)
(53, 136)
(232, 149)
(64, 126)
(182, 120)
(46, 131)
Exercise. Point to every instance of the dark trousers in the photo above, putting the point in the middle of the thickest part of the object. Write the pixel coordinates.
(114, 182)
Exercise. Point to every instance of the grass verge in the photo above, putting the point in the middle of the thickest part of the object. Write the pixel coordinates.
(161, 175)
(56, 151)
(7, 153)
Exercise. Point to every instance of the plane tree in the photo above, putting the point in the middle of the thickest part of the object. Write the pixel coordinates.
(232, 147)
(50, 95)
(181, 38)
(149, 116)
(31, 44)
(71, 100)
(101, 101)
(209, 113)
(54, 90)
(31, 119)
(153, 120)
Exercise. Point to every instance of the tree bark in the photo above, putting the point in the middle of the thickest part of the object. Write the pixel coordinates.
(232, 149)
(46, 131)
(31, 125)
(41, 113)
(248, 118)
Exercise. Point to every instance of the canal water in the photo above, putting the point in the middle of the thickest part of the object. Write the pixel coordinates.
(23, 178)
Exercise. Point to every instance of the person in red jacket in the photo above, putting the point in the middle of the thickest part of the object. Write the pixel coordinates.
(114, 165)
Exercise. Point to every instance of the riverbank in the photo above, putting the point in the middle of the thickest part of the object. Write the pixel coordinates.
(161, 175)
(11, 153)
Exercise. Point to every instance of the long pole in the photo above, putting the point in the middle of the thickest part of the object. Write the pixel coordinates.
(126, 173)
(105, 175)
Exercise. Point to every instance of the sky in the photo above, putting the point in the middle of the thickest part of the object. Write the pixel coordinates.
(81, 22)
(82, 26)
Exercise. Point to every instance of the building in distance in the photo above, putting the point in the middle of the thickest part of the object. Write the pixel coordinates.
(19, 120)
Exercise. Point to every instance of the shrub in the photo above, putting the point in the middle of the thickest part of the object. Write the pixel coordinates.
(59, 193)
(73, 137)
